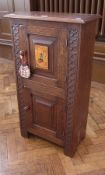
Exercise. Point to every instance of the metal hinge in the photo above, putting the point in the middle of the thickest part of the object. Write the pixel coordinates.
(66, 42)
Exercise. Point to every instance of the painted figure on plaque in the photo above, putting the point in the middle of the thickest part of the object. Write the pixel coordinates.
(41, 56)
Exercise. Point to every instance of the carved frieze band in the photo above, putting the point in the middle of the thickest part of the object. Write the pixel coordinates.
(15, 34)
(72, 80)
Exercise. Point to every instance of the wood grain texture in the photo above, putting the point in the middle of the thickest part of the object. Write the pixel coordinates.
(36, 156)
(57, 17)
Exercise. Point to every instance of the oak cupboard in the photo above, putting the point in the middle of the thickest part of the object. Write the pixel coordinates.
(57, 49)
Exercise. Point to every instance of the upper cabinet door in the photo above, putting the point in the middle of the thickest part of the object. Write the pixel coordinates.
(47, 52)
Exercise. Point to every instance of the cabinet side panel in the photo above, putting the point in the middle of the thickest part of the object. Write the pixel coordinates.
(85, 74)
(81, 47)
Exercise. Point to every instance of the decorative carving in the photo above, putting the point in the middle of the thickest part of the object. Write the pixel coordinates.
(72, 73)
(15, 34)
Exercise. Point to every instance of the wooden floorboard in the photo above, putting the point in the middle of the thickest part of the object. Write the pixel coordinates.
(35, 156)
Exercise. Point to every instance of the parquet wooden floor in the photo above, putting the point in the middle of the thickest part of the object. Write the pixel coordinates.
(34, 156)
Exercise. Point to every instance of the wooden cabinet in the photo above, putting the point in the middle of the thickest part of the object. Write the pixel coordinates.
(53, 102)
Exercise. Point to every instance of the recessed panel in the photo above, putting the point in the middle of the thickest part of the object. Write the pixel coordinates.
(44, 112)
(41, 56)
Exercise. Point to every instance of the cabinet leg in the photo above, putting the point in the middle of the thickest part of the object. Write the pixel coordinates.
(24, 134)
(69, 152)
(83, 135)
(71, 147)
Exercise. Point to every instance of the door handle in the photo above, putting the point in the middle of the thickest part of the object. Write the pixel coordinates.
(23, 57)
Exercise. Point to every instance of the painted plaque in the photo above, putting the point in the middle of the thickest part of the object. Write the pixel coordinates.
(41, 56)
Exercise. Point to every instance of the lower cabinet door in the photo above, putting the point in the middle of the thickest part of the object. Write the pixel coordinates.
(45, 116)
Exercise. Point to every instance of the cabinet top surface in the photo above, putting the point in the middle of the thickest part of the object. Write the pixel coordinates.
(52, 16)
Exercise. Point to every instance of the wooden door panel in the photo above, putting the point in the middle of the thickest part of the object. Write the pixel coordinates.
(46, 86)
(57, 51)
(48, 114)
(42, 55)
(44, 112)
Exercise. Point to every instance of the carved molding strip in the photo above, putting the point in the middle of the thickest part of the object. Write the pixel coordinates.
(72, 73)
(15, 34)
